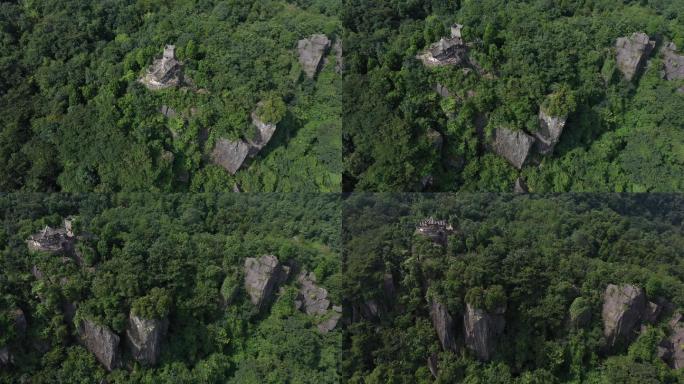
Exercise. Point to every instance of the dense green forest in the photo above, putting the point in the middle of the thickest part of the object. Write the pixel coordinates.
(74, 117)
(539, 264)
(178, 257)
(620, 135)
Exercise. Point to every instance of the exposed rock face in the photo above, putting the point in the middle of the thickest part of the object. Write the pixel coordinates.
(674, 63)
(632, 53)
(481, 330)
(262, 136)
(5, 357)
(230, 154)
(514, 146)
(370, 310)
(312, 299)
(165, 72)
(435, 138)
(311, 52)
(520, 186)
(456, 30)
(145, 337)
(444, 326)
(432, 365)
(435, 230)
(447, 51)
(550, 130)
(101, 342)
(52, 240)
(674, 345)
(262, 277)
(651, 312)
(339, 57)
(19, 320)
(330, 323)
(167, 111)
(388, 287)
(442, 90)
(623, 307)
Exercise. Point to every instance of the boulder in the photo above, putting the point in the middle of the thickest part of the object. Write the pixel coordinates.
(167, 111)
(370, 310)
(651, 312)
(145, 337)
(673, 63)
(631, 53)
(671, 348)
(481, 330)
(165, 72)
(312, 299)
(333, 318)
(230, 154)
(262, 277)
(20, 323)
(442, 90)
(435, 139)
(550, 130)
(101, 342)
(443, 324)
(311, 52)
(514, 146)
(339, 58)
(520, 186)
(5, 357)
(456, 31)
(623, 307)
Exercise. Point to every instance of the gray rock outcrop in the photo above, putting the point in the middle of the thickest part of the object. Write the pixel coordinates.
(432, 365)
(262, 277)
(550, 130)
(311, 52)
(444, 325)
(165, 72)
(481, 330)
(520, 186)
(623, 307)
(168, 111)
(312, 299)
(232, 154)
(5, 357)
(673, 63)
(332, 318)
(442, 90)
(435, 139)
(631, 53)
(671, 349)
(514, 146)
(339, 57)
(144, 337)
(101, 342)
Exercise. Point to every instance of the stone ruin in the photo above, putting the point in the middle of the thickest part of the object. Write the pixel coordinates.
(631, 53)
(435, 230)
(232, 154)
(447, 51)
(673, 63)
(165, 72)
(53, 240)
(311, 52)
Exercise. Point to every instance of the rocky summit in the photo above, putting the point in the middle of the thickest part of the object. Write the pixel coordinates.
(311, 52)
(165, 72)
(631, 53)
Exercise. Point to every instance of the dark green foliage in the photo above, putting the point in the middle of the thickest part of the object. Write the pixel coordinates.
(545, 259)
(173, 256)
(557, 56)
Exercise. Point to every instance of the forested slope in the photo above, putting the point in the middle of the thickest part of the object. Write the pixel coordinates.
(513, 289)
(176, 264)
(74, 116)
(430, 127)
